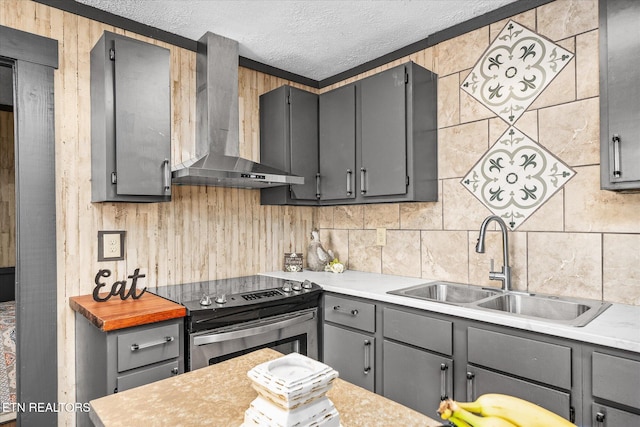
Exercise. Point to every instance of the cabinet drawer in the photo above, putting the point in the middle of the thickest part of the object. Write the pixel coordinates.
(355, 314)
(616, 379)
(147, 346)
(604, 416)
(146, 376)
(421, 331)
(535, 360)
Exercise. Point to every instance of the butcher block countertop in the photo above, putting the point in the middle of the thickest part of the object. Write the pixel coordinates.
(218, 395)
(118, 314)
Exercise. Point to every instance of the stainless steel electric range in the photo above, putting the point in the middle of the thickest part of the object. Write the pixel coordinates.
(230, 317)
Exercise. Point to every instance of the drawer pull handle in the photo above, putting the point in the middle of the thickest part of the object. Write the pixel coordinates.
(367, 363)
(600, 417)
(353, 312)
(318, 194)
(443, 381)
(617, 172)
(349, 182)
(136, 347)
(470, 377)
(363, 179)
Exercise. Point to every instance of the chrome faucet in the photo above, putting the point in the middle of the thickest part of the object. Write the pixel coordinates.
(505, 274)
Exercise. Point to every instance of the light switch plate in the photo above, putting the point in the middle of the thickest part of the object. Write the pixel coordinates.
(110, 245)
(381, 236)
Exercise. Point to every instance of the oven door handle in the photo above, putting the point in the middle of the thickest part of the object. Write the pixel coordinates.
(262, 328)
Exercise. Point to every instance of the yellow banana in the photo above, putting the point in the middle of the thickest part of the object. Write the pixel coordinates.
(517, 411)
(449, 410)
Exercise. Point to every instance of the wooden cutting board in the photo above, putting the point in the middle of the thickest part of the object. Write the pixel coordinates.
(118, 314)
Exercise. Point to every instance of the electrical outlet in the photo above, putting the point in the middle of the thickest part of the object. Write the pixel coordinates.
(110, 245)
(381, 236)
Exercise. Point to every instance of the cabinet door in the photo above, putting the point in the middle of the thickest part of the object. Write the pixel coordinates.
(481, 381)
(142, 118)
(303, 110)
(620, 94)
(352, 354)
(416, 378)
(604, 416)
(338, 143)
(383, 134)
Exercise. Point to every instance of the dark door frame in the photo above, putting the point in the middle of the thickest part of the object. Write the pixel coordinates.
(33, 59)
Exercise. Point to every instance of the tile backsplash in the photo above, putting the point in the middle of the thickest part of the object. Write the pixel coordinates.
(582, 242)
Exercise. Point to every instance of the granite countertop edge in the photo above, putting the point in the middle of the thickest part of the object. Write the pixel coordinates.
(617, 327)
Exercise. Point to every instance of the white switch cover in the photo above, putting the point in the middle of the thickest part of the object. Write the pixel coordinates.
(381, 236)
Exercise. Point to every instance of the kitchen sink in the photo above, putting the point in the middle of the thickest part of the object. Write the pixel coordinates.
(554, 309)
(449, 292)
(570, 311)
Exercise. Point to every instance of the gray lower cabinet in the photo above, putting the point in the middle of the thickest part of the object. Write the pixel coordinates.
(289, 142)
(532, 369)
(614, 392)
(114, 361)
(619, 94)
(417, 365)
(349, 344)
(130, 121)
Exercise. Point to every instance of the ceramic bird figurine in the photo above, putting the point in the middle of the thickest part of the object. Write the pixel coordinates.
(317, 256)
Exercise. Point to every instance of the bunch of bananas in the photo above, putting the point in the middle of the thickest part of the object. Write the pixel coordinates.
(499, 410)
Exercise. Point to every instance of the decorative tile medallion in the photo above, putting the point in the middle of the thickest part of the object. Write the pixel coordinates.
(516, 176)
(514, 70)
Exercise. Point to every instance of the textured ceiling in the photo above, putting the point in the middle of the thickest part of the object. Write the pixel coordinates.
(313, 38)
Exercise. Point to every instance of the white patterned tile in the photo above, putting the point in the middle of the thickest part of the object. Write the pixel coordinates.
(514, 70)
(516, 176)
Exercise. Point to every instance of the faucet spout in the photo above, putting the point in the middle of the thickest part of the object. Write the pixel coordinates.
(505, 274)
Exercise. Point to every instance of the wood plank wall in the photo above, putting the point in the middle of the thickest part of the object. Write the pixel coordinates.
(7, 192)
(203, 233)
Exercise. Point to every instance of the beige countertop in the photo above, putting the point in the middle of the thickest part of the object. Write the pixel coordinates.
(218, 395)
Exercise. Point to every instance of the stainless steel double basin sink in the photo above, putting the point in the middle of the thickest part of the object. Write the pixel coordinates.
(561, 310)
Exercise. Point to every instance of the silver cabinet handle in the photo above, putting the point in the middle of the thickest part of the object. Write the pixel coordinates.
(616, 155)
(363, 175)
(367, 363)
(136, 347)
(167, 175)
(353, 311)
(318, 185)
(600, 417)
(349, 182)
(443, 381)
(470, 377)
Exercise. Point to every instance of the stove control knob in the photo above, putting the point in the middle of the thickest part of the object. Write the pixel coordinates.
(286, 288)
(205, 300)
(296, 287)
(307, 284)
(221, 299)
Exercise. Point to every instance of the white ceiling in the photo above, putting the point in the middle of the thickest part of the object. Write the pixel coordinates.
(313, 38)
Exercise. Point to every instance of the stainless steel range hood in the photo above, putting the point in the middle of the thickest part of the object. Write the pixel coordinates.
(217, 162)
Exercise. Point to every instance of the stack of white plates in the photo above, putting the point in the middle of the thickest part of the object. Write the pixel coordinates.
(292, 392)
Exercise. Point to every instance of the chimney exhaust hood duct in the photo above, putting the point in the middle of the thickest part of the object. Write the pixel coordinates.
(217, 162)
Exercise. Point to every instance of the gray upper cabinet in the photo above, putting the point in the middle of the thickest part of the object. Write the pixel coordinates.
(130, 121)
(397, 140)
(289, 142)
(383, 140)
(377, 140)
(338, 143)
(620, 95)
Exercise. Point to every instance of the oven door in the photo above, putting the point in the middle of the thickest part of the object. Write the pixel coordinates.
(286, 333)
